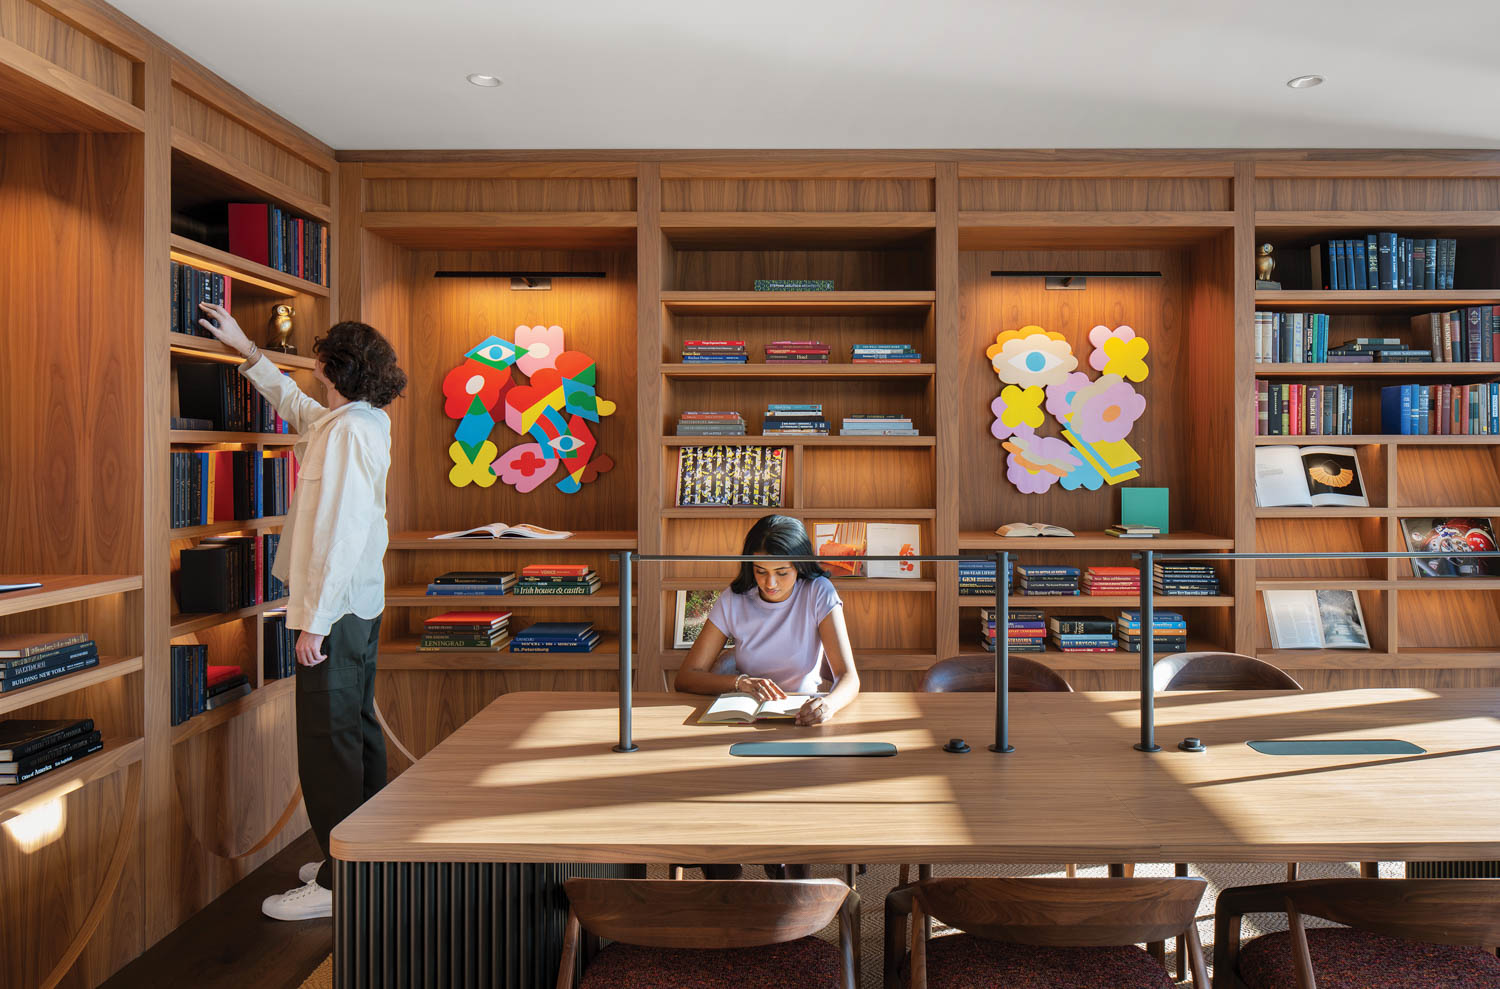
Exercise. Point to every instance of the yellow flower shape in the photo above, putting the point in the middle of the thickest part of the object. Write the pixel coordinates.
(1031, 356)
(1021, 406)
(475, 471)
(1127, 358)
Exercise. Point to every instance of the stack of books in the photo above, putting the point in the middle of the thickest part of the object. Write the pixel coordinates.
(30, 748)
(714, 352)
(710, 424)
(32, 657)
(279, 655)
(457, 631)
(1386, 350)
(1193, 579)
(223, 684)
(1109, 581)
(557, 578)
(793, 285)
(189, 680)
(1039, 581)
(1083, 633)
(1026, 630)
(1169, 631)
(1130, 530)
(472, 583)
(556, 637)
(796, 352)
(977, 577)
(876, 424)
(794, 420)
(884, 353)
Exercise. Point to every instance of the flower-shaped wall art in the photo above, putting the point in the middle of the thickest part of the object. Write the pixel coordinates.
(1097, 414)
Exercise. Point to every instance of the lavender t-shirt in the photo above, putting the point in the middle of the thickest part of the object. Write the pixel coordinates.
(778, 640)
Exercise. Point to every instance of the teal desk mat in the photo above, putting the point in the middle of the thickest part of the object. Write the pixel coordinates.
(1337, 746)
(812, 748)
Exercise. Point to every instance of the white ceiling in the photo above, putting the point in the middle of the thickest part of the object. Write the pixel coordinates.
(383, 74)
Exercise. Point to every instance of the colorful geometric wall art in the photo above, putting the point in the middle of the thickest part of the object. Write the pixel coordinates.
(1040, 375)
(551, 412)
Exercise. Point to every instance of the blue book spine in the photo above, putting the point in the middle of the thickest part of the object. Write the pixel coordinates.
(1390, 410)
(1336, 278)
(1387, 261)
(1372, 261)
(1361, 265)
(1430, 264)
(1495, 408)
(1424, 412)
(1402, 245)
(1348, 263)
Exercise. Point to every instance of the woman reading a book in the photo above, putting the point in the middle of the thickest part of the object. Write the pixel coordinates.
(330, 556)
(786, 619)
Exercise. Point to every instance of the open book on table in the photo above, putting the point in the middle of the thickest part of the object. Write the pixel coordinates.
(499, 530)
(1028, 529)
(742, 709)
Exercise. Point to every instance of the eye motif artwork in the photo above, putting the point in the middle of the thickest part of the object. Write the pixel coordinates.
(1040, 378)
(551, 413)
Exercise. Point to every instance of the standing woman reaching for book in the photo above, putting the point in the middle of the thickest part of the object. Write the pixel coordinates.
(786, 619)
(330, 559)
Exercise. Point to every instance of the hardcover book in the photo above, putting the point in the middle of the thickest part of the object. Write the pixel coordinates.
(1458, 535)
(1309, 475)
(1323, 619)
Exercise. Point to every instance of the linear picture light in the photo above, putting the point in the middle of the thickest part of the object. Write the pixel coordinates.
(1072, 280)
(522, 281)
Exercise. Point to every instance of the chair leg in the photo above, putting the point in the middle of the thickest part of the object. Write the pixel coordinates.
(924, 872)
(851, 876)
(677, 872)
(1121, 871)
(1158, 950)
(1071, 870)
(1181, 872)
(904, 876)
(1291, 872)
(1369, 870)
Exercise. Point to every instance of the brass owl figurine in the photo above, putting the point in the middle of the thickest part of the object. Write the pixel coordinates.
(1264, 263)
(280, 329)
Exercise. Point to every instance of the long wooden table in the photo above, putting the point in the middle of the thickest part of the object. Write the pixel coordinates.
(532, 779)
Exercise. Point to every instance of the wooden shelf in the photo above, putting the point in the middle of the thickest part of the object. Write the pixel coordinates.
(1374, 301)
(1187, 541)
(1271, 224)
(1448, 584)
(109, 760)
(1319, 583)
(217, 528)
(243, 270)
(109, 668)
(496, 230)
(681, 303)
(1444, 657)
(873, 441)
(217, 175)
(188, 624)
(863, 514)
(719, 372)
(1445, 369)
(1382, 439)
(1118, 659)
(580, 540)
(1004, 230)
(795, 230)
(59, 589)
(403, 654)
(209, 720)
(35, 95)
(416, 596)
(1097, 601)
(209, 437)
(1340, 512)
(189, 345)
(842, 584)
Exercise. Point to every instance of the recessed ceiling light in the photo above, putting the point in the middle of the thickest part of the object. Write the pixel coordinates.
(1296, 82)
(490, 82)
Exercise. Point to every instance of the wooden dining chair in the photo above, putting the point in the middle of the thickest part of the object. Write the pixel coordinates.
(1400, 933)
(976, 674)
(670, 933)
(1015, 931)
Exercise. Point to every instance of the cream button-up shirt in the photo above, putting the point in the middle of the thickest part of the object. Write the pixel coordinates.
(335, 535)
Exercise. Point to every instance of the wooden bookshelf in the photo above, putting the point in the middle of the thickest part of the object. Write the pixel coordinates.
(188, 345)
(851, 441)
(115, 756)
(1086, 601)
(403, 654)
(834, 303)
(212, 437)
(813, 372)
(416, 596)
(1382, 439)
(1422, 369)
(1359, 301)
(219, 528)
(187, 624)
(580, 541)
(60, 589)
(109, 668)
(242, 270)
(209, 720)
(1178, 541)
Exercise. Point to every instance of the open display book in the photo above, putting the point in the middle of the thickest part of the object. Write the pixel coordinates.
(499, 530)
(1323, 619)
(742, 709)
(1027, 529)
(1308, 476)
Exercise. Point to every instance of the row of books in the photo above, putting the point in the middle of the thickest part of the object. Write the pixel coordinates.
(211, 486)
(198, 687)
(221, 395)
(977, 577)
(793, 285)
(796, 352)
(794, 420)
(191, 286)
(1287, 409)
(269, 235)
(710, 424)
(714, 352)
(32, 747)
(459, 631)
(279, 649)
(226, 573)
(1441, 410)
(29, 658)
(1462, 335)
(877, 424)
(535, 579)
(1385, 261)
(1029, 630)
(884, 353)
(1302, 338)
(1185, 579)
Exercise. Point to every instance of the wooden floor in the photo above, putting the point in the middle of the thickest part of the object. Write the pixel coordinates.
(231, 944)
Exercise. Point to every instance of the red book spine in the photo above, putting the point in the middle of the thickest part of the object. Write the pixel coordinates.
(249, 233)
(223, 467)
(562, 570)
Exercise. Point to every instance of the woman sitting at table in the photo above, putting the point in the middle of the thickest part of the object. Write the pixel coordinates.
(785, 618)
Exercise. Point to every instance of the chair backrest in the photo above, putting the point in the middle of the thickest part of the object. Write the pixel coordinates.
(1219, 671)
(664, 913)
(1064, 912)
(962, 674)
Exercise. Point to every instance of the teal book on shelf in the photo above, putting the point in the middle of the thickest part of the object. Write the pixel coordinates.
(1145, 506)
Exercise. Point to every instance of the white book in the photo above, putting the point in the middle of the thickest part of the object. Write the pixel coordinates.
(1308, 476)
(499, 530)
(1326, 619)
(742, 709)
(893, 539)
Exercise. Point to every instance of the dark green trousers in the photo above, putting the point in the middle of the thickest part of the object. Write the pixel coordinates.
(340, 748)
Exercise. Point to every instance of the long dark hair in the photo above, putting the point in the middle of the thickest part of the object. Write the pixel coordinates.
(776, 535)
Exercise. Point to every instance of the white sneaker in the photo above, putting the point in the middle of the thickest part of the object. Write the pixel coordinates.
(309, 871)
(303, 903)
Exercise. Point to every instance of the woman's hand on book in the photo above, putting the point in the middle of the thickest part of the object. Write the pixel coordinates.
(227, 331)
(761, 688)
(814, 712)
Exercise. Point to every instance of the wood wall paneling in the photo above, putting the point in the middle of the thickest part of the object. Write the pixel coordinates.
(256, 151)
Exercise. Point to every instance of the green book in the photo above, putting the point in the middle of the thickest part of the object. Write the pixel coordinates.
(1144, 506)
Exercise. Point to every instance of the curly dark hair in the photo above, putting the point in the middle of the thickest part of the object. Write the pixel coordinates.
(361, 363)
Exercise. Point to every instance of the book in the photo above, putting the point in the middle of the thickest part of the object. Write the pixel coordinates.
(499, 530)
(1458, 535)
(836, 539)
(491, 577)
(24, 645)
(1144, 508)
(21, 738)
(730, 476)
(743, 709)
(893, 539)
(36, 669)
(43, 762)
(1029, 529)
(1321, 619)
(1122, 531)
(793, 285)
(1308, 476)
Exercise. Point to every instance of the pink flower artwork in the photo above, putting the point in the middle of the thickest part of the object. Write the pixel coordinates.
(1060, 395)
(1099, 335)
(1105, 411)
(542, 345)
(1037, 462)
(524, 467)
